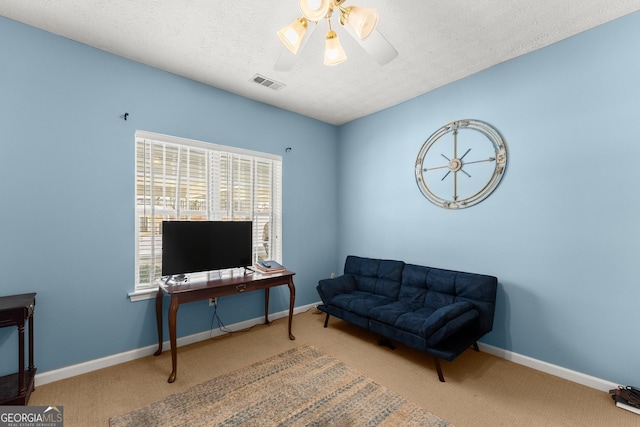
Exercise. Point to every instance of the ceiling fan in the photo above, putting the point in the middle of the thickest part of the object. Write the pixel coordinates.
(360, 23)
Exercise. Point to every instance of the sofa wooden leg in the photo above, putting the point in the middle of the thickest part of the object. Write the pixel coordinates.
(439, 369)
(475, 346)
(326, 320)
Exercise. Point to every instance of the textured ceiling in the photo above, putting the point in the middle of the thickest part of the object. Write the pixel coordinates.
(225, 43)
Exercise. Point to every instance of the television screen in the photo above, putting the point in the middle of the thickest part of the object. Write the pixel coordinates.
(194, 246)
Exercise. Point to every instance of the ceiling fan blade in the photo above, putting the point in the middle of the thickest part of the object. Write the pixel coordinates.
(376, 45)
(287, 60)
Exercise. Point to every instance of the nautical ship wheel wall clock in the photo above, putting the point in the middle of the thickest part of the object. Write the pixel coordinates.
(461, 164)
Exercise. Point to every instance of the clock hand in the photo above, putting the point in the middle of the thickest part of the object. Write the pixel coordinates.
(461, 170)
(434, 168)
(490, 159)
(455, 142)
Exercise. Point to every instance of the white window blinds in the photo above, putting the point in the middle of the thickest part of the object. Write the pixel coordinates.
(187, 180)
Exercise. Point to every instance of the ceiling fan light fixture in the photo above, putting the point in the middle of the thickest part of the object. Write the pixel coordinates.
(363, 20)
(315, 10)
(333, 53)
(359, 22)
(291, 35)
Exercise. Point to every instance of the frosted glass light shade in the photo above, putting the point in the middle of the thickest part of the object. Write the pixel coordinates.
(333, 53)
(314, 10)
(363, 20)
(291, 35)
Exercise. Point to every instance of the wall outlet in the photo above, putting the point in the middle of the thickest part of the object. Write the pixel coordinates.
(213, 301)
(333, 275)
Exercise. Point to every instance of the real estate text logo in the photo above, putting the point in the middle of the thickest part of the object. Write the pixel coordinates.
(31, 416)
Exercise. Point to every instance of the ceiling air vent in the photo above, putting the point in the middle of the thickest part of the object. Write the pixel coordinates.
(266, 82)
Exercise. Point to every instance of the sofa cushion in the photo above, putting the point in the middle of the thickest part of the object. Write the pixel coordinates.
(450, 327)
(481, 291)
(329, 288)
(359, 302)
(427, 287)
(434, 325)
(375, 276)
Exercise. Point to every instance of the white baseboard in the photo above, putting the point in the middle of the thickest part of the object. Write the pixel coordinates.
(558, 371)
(104, 362)
(93, 365)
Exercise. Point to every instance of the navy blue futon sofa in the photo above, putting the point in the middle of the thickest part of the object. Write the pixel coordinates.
(441, 312)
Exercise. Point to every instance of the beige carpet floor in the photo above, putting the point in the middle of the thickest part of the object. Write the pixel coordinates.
(480, 389)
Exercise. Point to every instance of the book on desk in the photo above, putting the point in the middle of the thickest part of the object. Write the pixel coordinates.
(269, 266)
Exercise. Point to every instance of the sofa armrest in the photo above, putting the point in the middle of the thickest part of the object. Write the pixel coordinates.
(448, 320)
(329, 288)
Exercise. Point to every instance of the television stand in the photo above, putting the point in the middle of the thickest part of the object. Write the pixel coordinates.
(205, 288)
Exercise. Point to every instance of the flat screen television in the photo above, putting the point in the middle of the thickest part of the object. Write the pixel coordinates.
(196, 246)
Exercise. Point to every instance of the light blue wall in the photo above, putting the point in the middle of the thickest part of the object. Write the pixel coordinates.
(67, 191)
(560, 232)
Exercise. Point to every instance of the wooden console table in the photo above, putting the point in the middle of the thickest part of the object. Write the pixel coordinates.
(15, 310)
(213, 287)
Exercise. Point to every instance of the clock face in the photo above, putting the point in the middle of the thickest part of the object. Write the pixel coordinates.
(461, 164)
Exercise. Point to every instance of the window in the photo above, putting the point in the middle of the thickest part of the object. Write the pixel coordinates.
(186, 180)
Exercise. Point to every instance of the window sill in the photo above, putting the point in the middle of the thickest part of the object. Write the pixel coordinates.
(143, 294)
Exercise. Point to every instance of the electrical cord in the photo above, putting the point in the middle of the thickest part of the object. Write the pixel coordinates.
(228, 332)
(221, 326)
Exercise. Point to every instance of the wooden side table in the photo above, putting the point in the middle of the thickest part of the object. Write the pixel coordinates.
(15, 310)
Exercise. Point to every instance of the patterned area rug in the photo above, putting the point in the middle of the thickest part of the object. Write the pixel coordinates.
(301, 387)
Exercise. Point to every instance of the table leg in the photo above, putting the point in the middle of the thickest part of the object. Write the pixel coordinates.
(31, 360)
(32, 366)
(292, 299)
(159, 297)
(266, 306)
(173, 311)
(21, 383)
